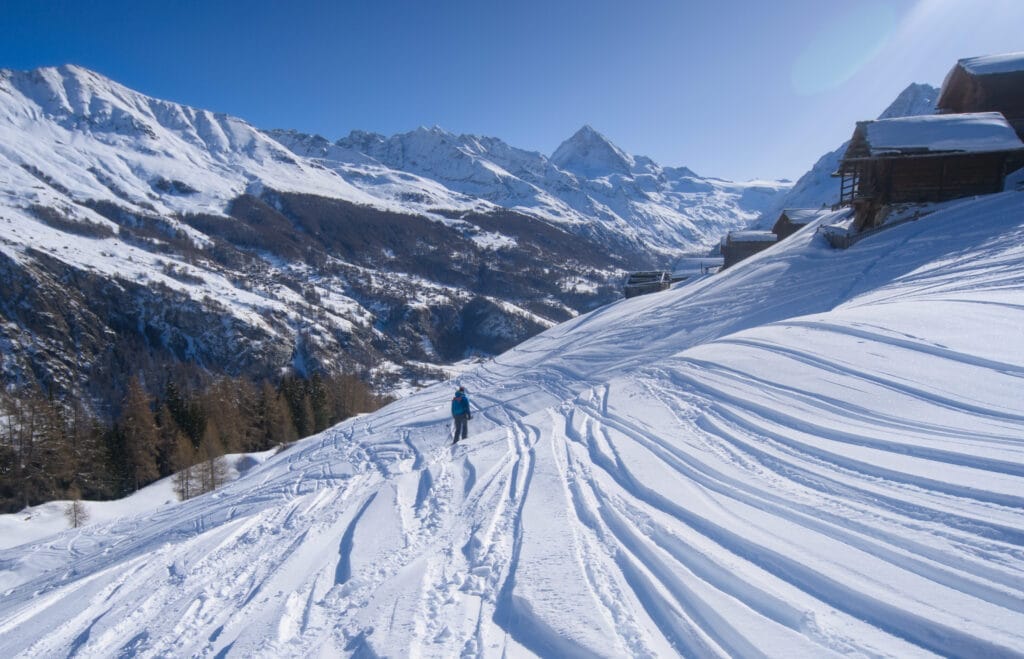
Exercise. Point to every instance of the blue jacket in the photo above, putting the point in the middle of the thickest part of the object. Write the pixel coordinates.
(460, 404)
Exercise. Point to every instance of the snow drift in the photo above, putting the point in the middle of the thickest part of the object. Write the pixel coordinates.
(813, 453)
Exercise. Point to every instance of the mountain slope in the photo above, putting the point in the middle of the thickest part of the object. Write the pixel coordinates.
(138, 234)
(813, 453)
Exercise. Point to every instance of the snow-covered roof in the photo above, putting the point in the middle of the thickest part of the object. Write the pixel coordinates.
(804, 215)
(993, 64)
(697, 263)
(752, 237)
(980, 132)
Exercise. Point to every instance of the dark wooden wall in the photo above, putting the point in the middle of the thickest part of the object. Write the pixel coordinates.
(924, 179)
(734, 252)
(1000, 92)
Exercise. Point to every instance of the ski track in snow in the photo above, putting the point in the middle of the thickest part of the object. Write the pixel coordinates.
(679, 474)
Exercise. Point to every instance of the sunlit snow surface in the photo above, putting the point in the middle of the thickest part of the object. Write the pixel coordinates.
(813, 453)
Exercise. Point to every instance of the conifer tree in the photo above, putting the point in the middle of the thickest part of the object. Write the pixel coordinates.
(248, 400)
(186, 411)
(223, 409)
(318, 402)
(80, 461)
(140, 435)
(167, 443)
(212, 470)
(275, 418)
(185, 474)
(8, 460)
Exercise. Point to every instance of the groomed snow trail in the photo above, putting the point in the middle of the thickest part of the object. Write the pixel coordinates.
(816, 453)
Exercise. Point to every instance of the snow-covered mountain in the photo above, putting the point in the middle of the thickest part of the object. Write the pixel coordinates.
(818, 188)
(139, 231)
(814, 453)
(588, 184)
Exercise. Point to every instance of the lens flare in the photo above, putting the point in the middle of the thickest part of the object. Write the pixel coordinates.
(841, 48)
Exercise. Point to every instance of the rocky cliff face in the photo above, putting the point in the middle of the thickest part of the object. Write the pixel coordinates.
(283, 280)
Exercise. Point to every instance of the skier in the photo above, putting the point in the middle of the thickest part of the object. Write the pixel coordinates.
(461, 415)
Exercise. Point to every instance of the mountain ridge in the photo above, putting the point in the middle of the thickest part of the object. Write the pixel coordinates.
(293, 261)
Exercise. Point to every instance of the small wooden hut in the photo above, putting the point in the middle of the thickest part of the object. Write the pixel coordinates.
(793, 219)
(739, 245)
(648, 281)
(928, 158)
(993, 83)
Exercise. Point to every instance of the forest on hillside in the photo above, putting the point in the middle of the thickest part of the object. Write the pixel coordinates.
(54, 448)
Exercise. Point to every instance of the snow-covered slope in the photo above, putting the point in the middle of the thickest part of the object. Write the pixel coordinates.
(818, 188)
(37, 522)
(814, 453)
(89, 138)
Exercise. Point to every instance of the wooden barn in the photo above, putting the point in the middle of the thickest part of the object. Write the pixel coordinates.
(793, 219)
(928, 158)
(993, 83)
(739, 245)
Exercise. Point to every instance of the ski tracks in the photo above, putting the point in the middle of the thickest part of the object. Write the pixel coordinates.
(627, 512)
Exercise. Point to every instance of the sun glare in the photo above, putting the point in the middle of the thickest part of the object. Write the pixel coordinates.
(842, 47)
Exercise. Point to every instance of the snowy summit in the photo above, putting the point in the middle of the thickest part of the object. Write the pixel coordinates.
(591, 154)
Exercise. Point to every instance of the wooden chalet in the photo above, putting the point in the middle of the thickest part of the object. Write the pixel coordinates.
(739, 245)
(993, 83)
(793, 219)
(928, 158)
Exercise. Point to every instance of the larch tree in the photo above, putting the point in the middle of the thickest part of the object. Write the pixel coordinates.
(185, 473)
(275, 418)
(75, 512)
(212, 471)
(141, 435)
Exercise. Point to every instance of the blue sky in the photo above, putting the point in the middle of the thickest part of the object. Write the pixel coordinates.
(734, 89)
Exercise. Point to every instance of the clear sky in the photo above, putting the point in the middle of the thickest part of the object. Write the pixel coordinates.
(732, 88)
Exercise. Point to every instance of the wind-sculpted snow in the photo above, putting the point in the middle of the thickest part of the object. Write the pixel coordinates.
(815, 453)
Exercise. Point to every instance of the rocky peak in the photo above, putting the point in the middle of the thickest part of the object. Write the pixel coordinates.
(591, 154)
(916, 99)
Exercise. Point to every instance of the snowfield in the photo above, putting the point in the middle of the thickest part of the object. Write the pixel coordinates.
(814, 453)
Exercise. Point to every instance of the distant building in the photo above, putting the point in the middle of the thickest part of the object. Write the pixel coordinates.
(689, 267)
(993, 83)
(739, 245)
(793, 219)
(649, 281)
(928, 158)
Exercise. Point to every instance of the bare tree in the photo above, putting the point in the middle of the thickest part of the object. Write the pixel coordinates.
(75, 512)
